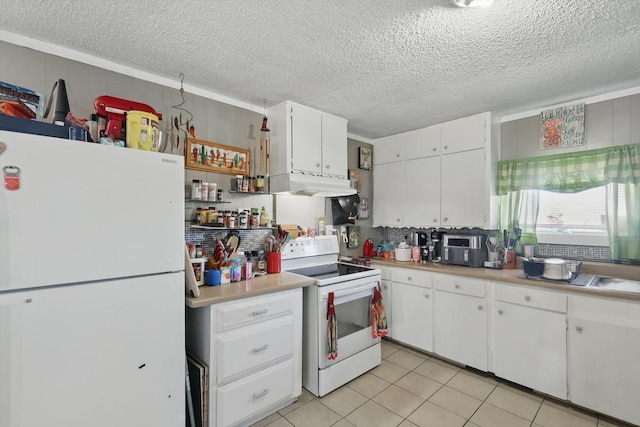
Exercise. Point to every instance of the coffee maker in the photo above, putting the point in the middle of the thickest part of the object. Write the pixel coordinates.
(435, 247)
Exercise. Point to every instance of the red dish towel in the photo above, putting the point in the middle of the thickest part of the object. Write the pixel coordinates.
(332, 329)
(378, 318)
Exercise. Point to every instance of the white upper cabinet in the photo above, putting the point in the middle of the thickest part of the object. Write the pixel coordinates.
(388, 149)
(307, 140)
(446, 175)
(334, 145)
(422, 143)
(464, 134)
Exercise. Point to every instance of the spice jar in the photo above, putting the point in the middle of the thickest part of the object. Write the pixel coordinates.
(213, 190)
(232, 221)
(212, 216)
(245, 184)
(260, 184)
(252, 184)
(204, 191)
(196, 189)
(220, 195)
(239, 182)
(243, 219)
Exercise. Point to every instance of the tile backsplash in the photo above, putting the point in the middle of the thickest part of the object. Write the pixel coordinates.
(587, 253)
(250, 239)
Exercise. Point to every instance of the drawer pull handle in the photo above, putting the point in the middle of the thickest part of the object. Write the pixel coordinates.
(260, 349)
(500, 312)
(579, 329)
(457, 286)
(426, 296)
(527, 298)
(259, 312)
(263, 393)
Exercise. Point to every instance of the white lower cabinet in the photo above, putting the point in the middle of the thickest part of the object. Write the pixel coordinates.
(461, 320)
(529, 338)
(412, 308)
(253, 348)
(604, 356)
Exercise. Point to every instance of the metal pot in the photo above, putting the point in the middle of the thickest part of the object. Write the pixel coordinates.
(556, 269)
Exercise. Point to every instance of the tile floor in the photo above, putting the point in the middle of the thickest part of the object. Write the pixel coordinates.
(411, 389)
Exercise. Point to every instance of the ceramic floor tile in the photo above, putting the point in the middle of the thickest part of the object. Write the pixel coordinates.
(398, 400)
(266, 421)
(428, 415)
(522, 391)
(491, 416)
(437, 371)
(406, 359)
(302, 399)
(456, 401)
(280, 422)
(343, 423)
(388, 348)
(368, 385)
(573, 410)
(471, 424)
(471, 384)
(604, 421)
(389, 371)
(343, 400)
(515, 403)
(371, 414)
(418, 385)
(312, 414)
(552, 416)
(407, 423)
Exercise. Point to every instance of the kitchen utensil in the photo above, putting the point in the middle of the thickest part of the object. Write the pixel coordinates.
(554, 269)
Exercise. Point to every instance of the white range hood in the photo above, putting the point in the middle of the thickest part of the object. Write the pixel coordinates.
(310, 185)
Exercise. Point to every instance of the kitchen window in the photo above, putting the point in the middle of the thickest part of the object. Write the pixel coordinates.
(584, 198)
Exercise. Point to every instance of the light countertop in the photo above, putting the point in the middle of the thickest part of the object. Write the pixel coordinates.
(511, 276)
(259, 285)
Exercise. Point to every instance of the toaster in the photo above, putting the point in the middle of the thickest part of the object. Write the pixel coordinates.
(464, 250)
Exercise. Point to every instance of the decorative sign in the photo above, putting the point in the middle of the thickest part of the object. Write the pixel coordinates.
(363, 209)
(562, 127)
(214, 157)
(364, 158)
(355, 178)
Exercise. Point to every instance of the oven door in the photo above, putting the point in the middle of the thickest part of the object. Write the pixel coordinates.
(352, 303)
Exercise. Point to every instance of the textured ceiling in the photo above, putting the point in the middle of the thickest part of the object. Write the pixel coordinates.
(386, 65)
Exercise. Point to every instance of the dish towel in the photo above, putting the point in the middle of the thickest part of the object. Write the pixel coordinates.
(378, 317)
(332, 329)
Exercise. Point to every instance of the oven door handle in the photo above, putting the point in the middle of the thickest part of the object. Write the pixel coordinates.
(351, 291)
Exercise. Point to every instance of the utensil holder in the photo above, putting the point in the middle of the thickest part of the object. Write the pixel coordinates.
(274, 262)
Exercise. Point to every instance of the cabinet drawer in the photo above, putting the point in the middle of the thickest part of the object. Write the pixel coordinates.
(244, 350)
(251, 311)
(243, 398)
(460, 285)
(385, 272)
(531, 297)
(411, 277)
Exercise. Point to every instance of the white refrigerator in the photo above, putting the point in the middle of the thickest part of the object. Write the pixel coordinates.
(91, 285)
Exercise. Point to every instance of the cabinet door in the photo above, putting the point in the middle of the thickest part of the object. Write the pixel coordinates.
(530, 348)
(422, 143)
(388, 305)
(464, 196)
(306, 144)
(388, 194)
(388, 149)
(413, 315)
(422, 192)
(460, 329)
(604, 373)
(334, 143)
(468, 133)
